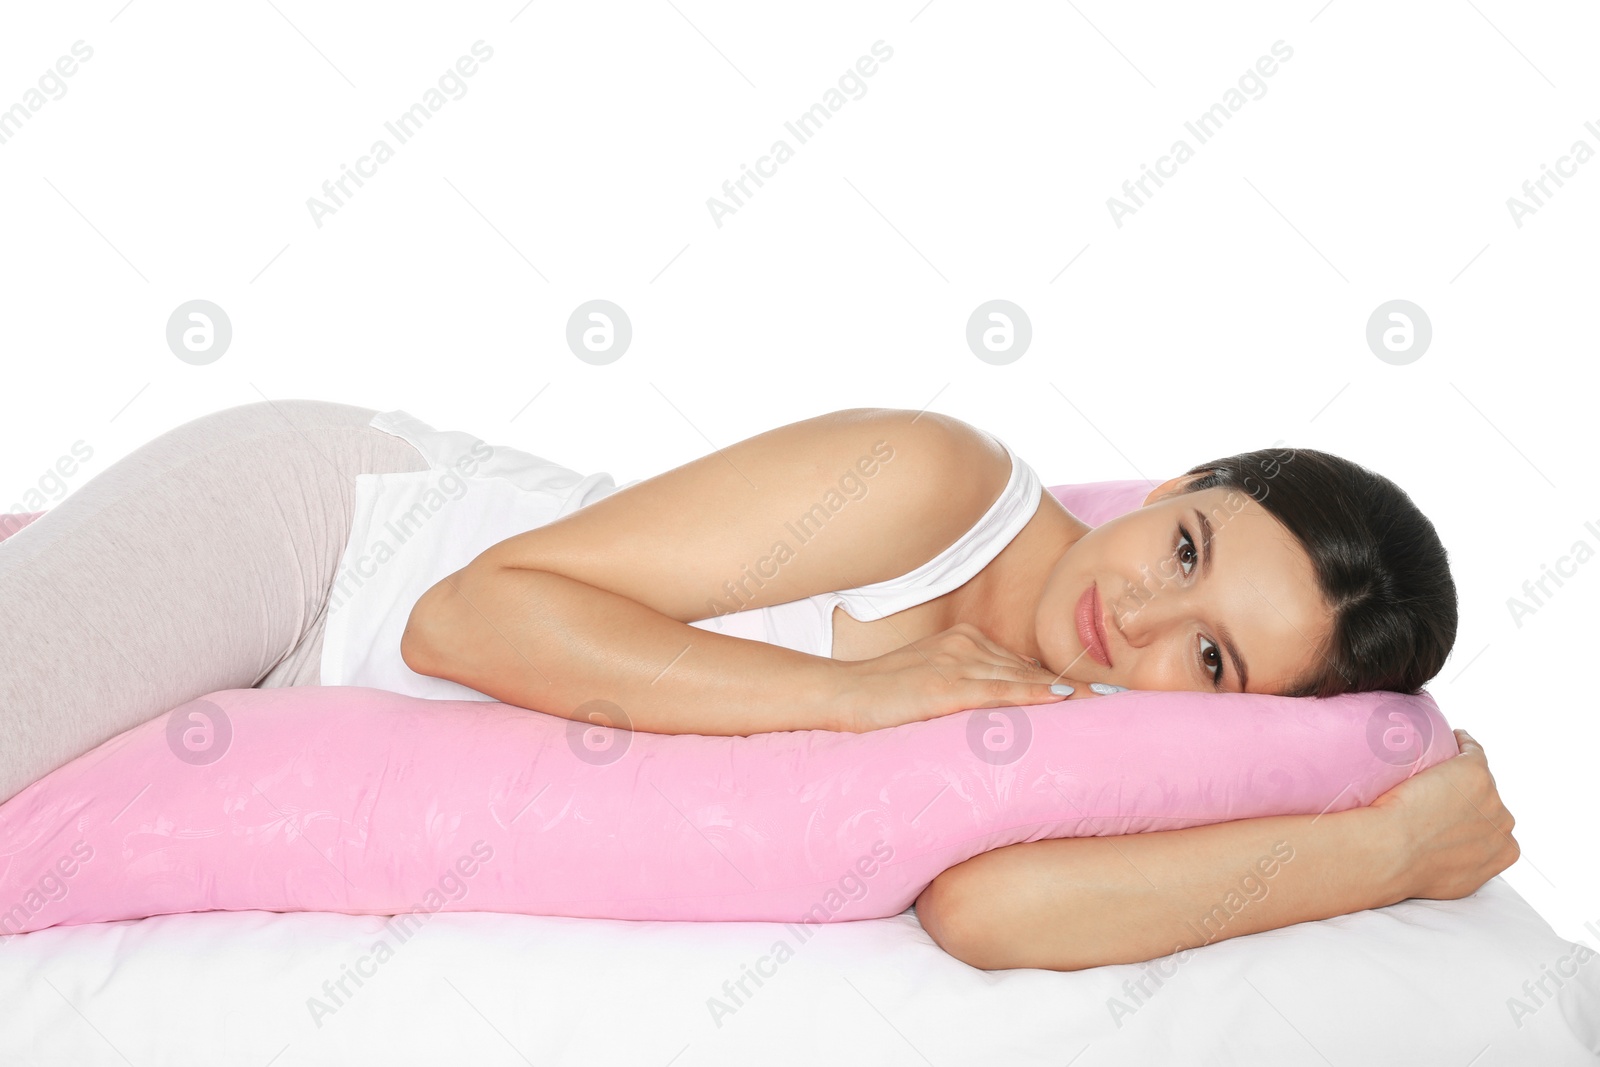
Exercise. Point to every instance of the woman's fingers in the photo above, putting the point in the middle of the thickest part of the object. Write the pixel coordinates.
(1001, 652)
(1037, 677)
(1027, 664)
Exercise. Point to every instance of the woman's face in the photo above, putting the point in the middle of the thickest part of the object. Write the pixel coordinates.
(1174, 596)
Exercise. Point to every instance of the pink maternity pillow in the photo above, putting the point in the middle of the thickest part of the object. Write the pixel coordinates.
(352, 799)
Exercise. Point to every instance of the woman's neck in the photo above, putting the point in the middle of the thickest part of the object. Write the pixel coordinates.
(1003, 598)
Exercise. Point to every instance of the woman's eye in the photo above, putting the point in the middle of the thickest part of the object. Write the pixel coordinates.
(1206, 648)
(1185, 544)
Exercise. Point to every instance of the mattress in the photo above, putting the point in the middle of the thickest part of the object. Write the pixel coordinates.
(1418, 983)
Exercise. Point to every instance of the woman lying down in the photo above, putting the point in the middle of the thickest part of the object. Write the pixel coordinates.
(724, 597)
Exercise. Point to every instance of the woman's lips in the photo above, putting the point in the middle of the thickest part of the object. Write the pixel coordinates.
(1091, 627)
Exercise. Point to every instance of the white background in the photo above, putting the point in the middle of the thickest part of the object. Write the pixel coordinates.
(1226, 314)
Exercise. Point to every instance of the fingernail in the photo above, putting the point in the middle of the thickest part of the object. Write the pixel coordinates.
(1105, 689)
(1062, 690)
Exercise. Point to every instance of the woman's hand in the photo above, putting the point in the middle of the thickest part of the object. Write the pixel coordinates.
(1455, 833)
(949, 671)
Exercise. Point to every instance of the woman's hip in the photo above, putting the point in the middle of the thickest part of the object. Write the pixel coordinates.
(200, 561)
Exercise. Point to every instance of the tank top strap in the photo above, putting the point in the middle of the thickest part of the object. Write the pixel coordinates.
(970, 553)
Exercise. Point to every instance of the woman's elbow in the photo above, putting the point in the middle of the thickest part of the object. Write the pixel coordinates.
(937, 913)
(419, 641)
(412, 652)
(984, 936)
(961, 931)
(414, 645)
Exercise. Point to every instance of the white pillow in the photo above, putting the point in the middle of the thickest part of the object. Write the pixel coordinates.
(1416, 984)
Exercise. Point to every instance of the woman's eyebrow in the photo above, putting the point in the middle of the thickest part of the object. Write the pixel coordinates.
(1223, 633)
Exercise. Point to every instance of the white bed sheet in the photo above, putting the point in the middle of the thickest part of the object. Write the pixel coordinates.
(1419, 983)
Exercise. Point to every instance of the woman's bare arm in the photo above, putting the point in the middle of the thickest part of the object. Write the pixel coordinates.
(1070, 903)
(538, 640)
(596, 605)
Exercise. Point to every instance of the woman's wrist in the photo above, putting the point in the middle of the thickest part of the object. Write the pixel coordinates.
(1391, 851)
(839, 710)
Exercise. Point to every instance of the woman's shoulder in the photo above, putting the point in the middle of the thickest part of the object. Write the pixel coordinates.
(997, 476)
(987, 494)
(963, 470)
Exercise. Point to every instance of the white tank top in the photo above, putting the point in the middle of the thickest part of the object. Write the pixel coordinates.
(413, 529)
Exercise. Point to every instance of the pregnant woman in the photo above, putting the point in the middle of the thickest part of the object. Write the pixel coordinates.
(852, 571)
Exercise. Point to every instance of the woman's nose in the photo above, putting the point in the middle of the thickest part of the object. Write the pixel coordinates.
(1139, 619)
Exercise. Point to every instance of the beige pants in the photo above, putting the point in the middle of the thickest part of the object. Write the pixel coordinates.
(201, 561)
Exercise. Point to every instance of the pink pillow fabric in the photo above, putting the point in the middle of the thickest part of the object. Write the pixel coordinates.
(349, 799)
(1099, 502)
(358, 800)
